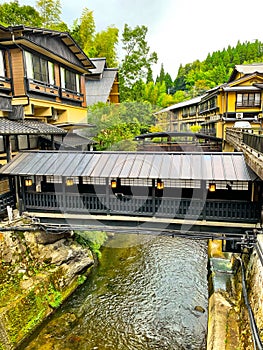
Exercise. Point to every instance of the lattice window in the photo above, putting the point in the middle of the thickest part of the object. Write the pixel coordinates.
(182, 183)
(94, 180)
(53, 179)
(136, 182)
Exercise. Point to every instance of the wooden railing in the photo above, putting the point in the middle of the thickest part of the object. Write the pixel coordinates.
(250, 137)
(248, 141)
(220, 210)
(255, 141)
(6, 199)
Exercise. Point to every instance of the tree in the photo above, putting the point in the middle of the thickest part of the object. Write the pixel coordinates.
(87, 32)
(105, 45)
(12, 14)
(50, 11)
(117, 125)
(137, 59)
(161, 77)
(101, 44)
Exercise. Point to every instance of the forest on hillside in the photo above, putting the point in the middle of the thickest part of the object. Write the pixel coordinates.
(140, 94)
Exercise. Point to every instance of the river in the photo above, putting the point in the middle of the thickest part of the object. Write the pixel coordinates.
(147, 293)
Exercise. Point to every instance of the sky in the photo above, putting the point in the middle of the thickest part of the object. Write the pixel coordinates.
(179, 31)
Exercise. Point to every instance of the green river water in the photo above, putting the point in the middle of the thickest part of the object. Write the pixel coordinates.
(141, 296)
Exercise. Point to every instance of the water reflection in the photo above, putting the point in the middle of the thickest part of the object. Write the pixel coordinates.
(142, 296)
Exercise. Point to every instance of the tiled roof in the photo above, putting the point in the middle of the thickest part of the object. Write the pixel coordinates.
(26, 127)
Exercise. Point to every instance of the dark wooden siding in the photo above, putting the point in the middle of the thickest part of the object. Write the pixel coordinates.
(18, 72)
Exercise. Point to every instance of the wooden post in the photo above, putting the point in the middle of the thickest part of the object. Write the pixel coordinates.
(153, 197)
(8, 148)
(108, 195)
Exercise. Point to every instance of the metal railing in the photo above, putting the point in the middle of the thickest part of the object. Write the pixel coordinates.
(219, 210)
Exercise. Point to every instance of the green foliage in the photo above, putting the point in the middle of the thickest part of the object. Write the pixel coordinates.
(93, 239)
(81, 279)
(105, 45)
(50, 11)
(12, 14)
(117, 125)
(101, 44)
(87, 31)
(54, 297)
(137, 60)
(197, 77)
(195, 128)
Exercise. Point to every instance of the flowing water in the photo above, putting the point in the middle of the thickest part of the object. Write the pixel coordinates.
(147, 293)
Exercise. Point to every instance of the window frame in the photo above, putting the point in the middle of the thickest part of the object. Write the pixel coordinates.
(2, 64)
(70, 81)
(248, 99)
(39, 69)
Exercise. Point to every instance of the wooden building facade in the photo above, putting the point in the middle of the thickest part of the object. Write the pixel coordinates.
(239, 99)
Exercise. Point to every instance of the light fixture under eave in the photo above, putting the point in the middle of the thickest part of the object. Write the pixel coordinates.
(160, 185)
(69, 181)
(212, 187)
(28, 182)
(113, 184)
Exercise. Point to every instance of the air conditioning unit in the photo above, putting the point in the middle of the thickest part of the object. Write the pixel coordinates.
(239, 115)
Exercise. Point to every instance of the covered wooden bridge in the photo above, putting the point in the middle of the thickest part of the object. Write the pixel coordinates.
(178, 141)
(199, 186)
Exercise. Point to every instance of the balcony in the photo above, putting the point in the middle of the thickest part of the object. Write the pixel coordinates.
(72, 95)
(42, 87)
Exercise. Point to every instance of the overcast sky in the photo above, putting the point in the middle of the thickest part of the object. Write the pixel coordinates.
(180, 31)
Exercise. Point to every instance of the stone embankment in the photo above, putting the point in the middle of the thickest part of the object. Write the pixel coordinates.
(228, 323)
(38, 271)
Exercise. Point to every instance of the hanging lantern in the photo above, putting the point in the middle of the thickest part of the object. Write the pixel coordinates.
(160, 184)
(212, 187)
(69, 181)
(28, 182)
(113, 184)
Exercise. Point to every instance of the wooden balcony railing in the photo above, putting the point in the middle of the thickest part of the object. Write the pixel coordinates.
(250, 137)
(6, 199)
(183, 208)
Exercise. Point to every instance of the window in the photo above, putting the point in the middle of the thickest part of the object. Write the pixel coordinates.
(53, 179)
(185, 112)
(2, 64)
(39, 69)
(248, 100)
(93, 180)
(192, 110)
(70, 80)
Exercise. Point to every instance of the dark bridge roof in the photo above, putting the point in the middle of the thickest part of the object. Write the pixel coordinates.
(194, 166)
(169, 134)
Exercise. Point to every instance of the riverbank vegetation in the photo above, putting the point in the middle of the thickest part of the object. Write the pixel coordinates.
(38, 271)
(92, 239)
